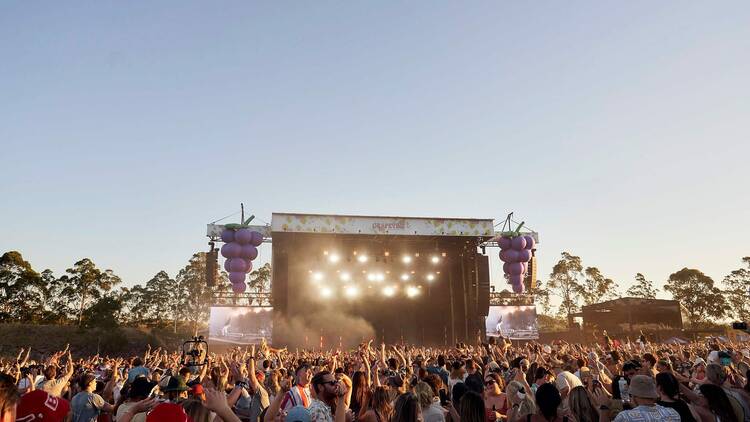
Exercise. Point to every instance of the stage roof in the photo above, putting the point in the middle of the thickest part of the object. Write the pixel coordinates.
(381, 225)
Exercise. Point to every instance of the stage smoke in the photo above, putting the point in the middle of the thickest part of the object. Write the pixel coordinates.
(305, 331)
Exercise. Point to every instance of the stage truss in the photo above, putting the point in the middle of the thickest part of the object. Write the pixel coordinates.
(247, 299)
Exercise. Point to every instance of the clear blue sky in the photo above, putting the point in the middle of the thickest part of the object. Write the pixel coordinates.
(618, 130)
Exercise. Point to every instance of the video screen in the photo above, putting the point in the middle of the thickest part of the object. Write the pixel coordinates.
(512, 322)
(240, 325)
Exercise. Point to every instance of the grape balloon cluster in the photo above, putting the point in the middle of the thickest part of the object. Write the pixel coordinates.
(515, 252)
(240, 249)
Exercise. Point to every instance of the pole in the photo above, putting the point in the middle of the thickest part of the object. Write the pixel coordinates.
(453, 315)
(466, 315)
(242, 213)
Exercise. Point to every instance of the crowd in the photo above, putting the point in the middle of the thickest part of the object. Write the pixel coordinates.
(495, 381)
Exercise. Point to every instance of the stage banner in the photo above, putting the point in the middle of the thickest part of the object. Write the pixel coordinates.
(240, 325)
(512, 322)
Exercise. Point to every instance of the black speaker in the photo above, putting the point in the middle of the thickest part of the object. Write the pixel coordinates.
(280, 283)
(212, 265)
(483, 278)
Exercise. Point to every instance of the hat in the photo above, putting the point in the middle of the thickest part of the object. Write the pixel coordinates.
(40, 405)
(547, 349)
(493, 366)
(176, 383)
(168, 412)
(141, 387)
(699, 361)
(713, 357)
(298, 414)
(197, 390)
(643, 386)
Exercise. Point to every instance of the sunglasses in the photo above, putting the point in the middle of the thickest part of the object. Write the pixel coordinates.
(334, 382)
(489, 382)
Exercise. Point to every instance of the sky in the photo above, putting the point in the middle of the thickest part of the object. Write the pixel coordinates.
(617, 130)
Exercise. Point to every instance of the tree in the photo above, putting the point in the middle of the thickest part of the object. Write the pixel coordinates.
(596, 287)
(541, 296)
(22, 290)
(564, 282)
(737, 285)
(697, 293)
(104, 312)
(193, 294)
(86, 283)
(642, 288)
(260, 279)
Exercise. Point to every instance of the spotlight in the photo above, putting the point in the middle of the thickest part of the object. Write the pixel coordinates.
(345, 277)
(389, 291)
(404, 277)
(325, 253)
(430, 277)
(371, 277)
(387, 253)
(351, 291)
(406, 259)
(444, 254)
(334, 258)
(317, 276)
(435, 259)
(379, 277)
(412, 291)
(326, 292)
(362, 258)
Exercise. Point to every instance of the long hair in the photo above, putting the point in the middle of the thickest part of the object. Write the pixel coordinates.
(526, 405)
(360, 392)
(472, 407)
(718, 402)
(380, 403)
(581, 407)
(548, 400)
(196, 410)
(668, 384)
(272, 382)
(424, 394)
(9, 396)
(406, 408)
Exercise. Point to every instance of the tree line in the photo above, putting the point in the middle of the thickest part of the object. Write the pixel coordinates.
(88, 296)
(702, 299)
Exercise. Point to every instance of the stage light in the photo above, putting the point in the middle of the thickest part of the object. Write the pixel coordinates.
(351, 291)
(430, 277)
(387, 253)
(371, 277)
(362, 258)
(404, 277)
(435, 259)
(379, 277)
(412, 291)
(326, 292)
(389, 291)
(406, 259)
(317, 276)
(334, 258)
(444, 254)
(345, 277)
(325, 253)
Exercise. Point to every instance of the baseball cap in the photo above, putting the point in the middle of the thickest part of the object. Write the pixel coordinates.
(176, 383)
(643, 386)
(168, 412)
(42, 406)
(298, 414)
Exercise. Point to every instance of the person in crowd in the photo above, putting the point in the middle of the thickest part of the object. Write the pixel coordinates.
(715, 406)
(379, 408)
(520, 400)
(139, 390)
(9, 398)
(495, 400)
(643, 396)
(668, 389)
(541, 376)
(326, 389)
(406, 408)
(549, 405)
(458, 374)
(38, 405)
(582, 409)
(87, 405)
(472, 408)
(717, 375)
(54, 385)
(299, 394)
(429, 404)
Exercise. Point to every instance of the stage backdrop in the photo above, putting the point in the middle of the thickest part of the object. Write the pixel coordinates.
(240, 325)
(512, 322)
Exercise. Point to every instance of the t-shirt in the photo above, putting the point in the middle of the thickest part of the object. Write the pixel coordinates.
(252, 406)
(567, 380)
(85, 406)
(139, 417)
(648, 414)
(433, 413)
